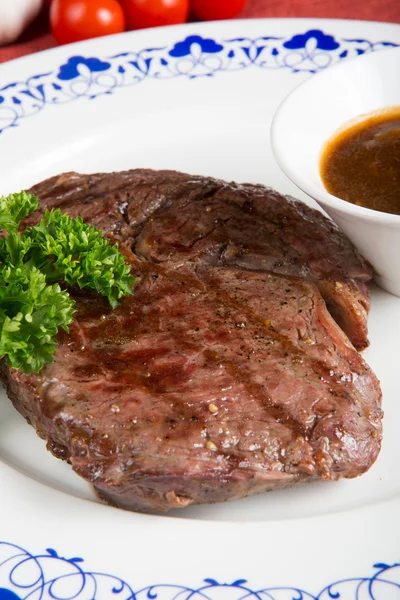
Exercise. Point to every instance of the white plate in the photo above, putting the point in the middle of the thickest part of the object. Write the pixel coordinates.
(198, 98)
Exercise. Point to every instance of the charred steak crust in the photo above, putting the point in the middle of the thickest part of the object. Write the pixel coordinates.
(165, 216)
(225, 374)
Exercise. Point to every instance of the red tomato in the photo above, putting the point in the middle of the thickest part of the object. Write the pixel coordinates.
(213, 10)
(154, 13)
(75, 20)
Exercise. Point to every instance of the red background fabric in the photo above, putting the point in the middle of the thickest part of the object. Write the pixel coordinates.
(37, 37)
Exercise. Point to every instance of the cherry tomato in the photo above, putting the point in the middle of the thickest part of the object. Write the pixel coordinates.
(154, 13)
(213, 10)
(75, 20)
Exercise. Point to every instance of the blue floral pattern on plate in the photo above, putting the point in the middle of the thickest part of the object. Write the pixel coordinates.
(49, 576)
(192, 57)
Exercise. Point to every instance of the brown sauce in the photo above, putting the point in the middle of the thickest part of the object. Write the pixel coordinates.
(361, 162)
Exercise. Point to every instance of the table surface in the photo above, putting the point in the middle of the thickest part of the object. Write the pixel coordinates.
(37, 37)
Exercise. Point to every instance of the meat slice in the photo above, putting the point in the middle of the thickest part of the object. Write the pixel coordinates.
(220, 377)
(173, 217)
(204, 386)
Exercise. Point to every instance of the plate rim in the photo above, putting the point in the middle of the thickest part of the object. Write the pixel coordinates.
(389, 506)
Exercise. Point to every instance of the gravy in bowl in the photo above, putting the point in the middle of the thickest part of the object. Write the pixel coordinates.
(361, 162)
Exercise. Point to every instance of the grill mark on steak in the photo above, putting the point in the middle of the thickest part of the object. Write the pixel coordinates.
(292, 349)
(209, 325)
(198, 197)
(272, 336)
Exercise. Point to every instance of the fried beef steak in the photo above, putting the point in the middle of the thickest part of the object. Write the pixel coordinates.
(232, 369)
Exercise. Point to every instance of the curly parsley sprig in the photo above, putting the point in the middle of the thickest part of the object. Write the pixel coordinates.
(59, 249)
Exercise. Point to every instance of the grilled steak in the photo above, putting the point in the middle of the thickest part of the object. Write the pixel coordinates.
(172, 217)
(225, 374)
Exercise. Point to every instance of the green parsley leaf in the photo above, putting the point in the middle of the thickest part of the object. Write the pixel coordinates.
(31, 312)
(14, 208)
(59, 249)
(70, 249)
